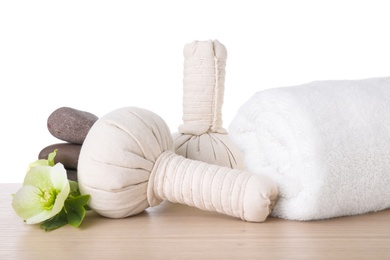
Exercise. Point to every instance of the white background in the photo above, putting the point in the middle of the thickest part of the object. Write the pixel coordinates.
(97, 56)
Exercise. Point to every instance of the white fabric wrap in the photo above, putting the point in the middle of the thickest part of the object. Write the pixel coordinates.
(117, 157)
(325, 143)
(208, 187)
(201, 136)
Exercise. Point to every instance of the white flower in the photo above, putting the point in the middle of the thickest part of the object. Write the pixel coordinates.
(44, 191)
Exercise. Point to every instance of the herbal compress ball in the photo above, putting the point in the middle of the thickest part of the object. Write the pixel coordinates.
(126, 164)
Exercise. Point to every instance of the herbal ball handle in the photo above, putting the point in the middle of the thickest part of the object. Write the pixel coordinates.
(208, 187)
(203, 87)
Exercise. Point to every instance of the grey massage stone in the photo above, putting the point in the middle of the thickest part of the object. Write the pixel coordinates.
(70, 125)
(67, 154)
(72, 174)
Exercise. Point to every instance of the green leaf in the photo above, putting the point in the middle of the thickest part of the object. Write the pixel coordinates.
(79, 201)
(74, 189)
(75, 211)
(87, 208)
(57, 221)
(75, 216)
(50, 157)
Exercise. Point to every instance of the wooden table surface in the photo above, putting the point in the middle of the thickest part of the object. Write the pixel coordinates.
(172, 231)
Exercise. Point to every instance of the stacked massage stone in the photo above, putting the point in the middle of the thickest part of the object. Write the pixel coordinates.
(71, 126)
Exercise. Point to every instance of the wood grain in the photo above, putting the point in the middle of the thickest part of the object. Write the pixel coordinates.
(173, 231)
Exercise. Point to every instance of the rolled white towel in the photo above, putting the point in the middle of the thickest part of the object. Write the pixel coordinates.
(325, 143)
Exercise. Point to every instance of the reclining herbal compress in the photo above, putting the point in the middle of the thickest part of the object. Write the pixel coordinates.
(127, 164)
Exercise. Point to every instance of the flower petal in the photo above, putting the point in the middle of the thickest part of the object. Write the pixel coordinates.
(60, 182)
(26, 202)
(40, 162)
(60, 200)
(39, 177)
(58, 176)
(44, 215)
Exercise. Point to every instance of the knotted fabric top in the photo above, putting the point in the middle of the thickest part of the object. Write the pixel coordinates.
(203, 91)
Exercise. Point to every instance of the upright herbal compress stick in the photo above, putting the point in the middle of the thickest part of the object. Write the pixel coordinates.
(127, 164)
(201, 136)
